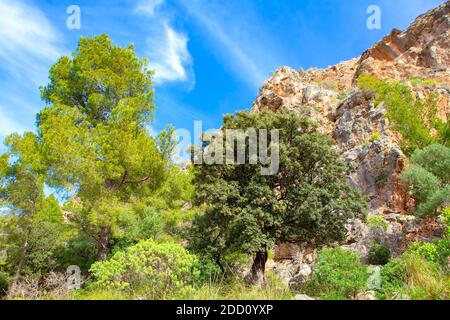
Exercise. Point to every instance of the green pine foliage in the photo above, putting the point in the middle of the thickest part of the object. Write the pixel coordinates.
(141, 227)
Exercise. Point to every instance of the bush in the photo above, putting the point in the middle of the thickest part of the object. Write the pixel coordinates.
(379, 254)
(417, 120)
(434, 158)
(434, 202)
(79, 251)
(427, 179)
(446, 219)
(376, 222)
(338, 275)
(146, 225)
(411, 276)
(437, 251)
(375, 137)
(393, 277)
(154, 270)
(422, 184)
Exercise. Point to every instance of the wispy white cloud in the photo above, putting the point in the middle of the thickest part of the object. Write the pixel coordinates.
(169, 56)
(239, 40)
(28, 41)
(167, 48)
(28, 46)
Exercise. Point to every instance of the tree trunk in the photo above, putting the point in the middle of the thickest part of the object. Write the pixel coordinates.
(103, 248)
(259, 268)
(23, 257)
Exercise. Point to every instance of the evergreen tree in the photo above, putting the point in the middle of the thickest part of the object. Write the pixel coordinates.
(309, 199)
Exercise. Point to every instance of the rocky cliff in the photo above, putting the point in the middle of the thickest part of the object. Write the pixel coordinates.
(331, 98)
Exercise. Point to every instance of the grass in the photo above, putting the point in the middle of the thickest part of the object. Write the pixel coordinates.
(229, 289)
(425, 281)
(411, 276)
(237, 289)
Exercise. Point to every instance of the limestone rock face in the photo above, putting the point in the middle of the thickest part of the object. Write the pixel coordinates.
(361, 130)
(292, 263)
(286, 90)
(362, 134)
(421, 50)
(353, 123)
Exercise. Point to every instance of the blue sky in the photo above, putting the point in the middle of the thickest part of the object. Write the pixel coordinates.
(210, 56)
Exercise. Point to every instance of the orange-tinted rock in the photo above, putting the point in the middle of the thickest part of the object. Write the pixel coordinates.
(361, 130)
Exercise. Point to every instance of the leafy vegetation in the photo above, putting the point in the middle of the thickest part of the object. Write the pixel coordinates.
(141, 227)
(377, 222)
(338, 275)
(421, 272)
(379, 254)
(309, 199)
(415, 119)
(427, 179)
(411, 276)
(93, 149)
(150, 270)
(375, 137)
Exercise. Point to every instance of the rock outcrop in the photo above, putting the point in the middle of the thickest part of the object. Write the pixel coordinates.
(361, 130)
(421, 50)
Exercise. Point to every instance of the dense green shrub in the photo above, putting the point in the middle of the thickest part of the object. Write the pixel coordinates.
(439, 198)
(379, 254)
(338, 275)
(446, 219)
(377, 222)
(154, 270)
(415, 119)
(44, 245)
(79, 251)
(422, 183)
(437, 251)
(393, 276)
(434, 158)
(144, 224)
(427, 179)
(411, 276)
